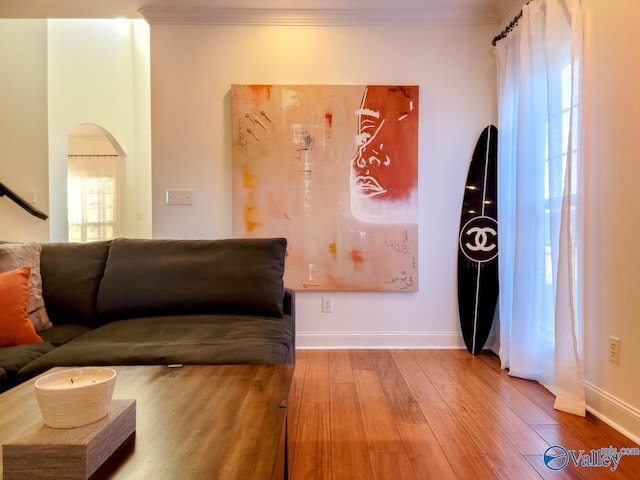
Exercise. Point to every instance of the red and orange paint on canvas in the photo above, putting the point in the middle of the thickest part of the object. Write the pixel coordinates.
(334, 169)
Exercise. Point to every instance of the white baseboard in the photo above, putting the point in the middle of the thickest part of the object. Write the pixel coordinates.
(613, 411)
(386, 340)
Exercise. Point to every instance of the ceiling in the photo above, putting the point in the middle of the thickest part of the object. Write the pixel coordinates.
(237, 11)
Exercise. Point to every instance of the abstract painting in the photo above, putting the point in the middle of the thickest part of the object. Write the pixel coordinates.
(334, 170)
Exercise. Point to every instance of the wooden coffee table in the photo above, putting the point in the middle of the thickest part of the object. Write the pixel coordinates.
(205, 422)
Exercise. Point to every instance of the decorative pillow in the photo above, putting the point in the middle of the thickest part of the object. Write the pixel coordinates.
(18, 255)
(15, 326)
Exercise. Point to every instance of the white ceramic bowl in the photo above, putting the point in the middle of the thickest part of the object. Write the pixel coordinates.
(75, 397)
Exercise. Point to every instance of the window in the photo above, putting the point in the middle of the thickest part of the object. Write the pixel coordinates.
(92, 199)
(92, 184)
(557, 143)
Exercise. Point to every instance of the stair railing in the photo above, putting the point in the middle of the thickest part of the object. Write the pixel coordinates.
(6, 191)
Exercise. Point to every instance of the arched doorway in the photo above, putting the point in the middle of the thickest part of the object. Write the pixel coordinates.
(94, 179)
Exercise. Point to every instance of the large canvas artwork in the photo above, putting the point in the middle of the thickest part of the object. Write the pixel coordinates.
(334, 169)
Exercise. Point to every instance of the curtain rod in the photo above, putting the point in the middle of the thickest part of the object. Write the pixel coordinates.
(85, 155)
(508, 28)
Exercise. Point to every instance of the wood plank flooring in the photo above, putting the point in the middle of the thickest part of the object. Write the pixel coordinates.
(432, 414)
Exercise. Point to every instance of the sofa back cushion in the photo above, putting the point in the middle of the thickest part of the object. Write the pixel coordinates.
(168, 277)
(71, 274)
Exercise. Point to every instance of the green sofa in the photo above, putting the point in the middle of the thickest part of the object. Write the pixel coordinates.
(160, 302)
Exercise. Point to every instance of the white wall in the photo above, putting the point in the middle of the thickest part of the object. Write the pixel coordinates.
(612, 283)
(98, 70)
(193, 67)
(139, 186)
(23, 127)
(57, 74)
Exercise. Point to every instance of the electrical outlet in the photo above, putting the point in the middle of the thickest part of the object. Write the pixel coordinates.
(614, 350)
(327, 305)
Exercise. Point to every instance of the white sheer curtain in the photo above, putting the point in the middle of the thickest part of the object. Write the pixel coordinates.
(92, 192)
(539, 161)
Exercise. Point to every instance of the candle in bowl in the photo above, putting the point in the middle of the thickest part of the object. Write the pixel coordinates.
(76, 396)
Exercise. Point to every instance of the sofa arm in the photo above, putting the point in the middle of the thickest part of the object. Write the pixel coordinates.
(289, 308)
(289, 303)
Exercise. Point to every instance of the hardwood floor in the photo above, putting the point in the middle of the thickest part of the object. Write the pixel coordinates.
(432, 414)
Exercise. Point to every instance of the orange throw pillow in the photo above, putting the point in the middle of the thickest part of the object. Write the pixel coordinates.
(15, 326)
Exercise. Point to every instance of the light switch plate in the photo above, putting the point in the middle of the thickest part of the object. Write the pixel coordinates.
(179, 197)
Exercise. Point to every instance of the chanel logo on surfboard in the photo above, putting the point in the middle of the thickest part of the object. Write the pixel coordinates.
(479, 239)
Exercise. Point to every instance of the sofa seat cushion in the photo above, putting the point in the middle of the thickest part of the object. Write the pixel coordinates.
(178, 277)
(63, 333)
(13, 359)
(191, 339)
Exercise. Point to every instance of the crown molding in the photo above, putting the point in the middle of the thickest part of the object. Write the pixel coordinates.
(317, 17)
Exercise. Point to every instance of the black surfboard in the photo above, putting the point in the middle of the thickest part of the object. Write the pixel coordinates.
(478, 244)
